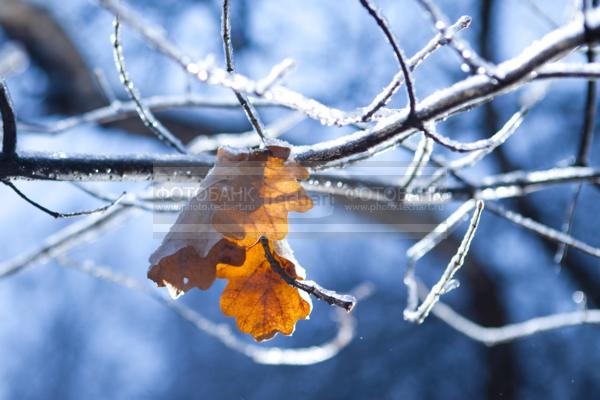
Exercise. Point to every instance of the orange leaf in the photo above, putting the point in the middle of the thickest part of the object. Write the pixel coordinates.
(260, 300)
(248, 194)
(186, 258)
(260, 189)
(185, 269)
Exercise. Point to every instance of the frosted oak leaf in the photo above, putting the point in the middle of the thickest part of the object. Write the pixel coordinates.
(247, 195)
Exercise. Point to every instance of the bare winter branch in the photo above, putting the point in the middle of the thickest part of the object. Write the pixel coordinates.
(446, 282)
(262, 355)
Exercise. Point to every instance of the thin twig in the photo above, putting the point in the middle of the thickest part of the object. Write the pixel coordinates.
(544, 230)
(509, 128)
(249, 110)
(561, 70)
(56, 214)
(345, 301)
(441, 231)
(420, 160)
(446, 282)
(453, 166)
(471, 59)
(278, 72)
(425, 245)
(492, 336)
(105, 86)
(386, 94)
(585, 147)
(77, 233)
(461, 147)
(144, 112)
(383, 25)
(120, 110)
(562, 249)
(128, 200)
(223, 333)
(245, 139)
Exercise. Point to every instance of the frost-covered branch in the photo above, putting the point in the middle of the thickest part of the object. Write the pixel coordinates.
(143, 111)
(345, 301)
(492, 336)
(119, 110)
(223, 333)
(446, 282)
(207, 72)
(65, 239)
(245, 103)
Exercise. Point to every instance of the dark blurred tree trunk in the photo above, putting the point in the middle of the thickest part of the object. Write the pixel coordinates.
(504, 372)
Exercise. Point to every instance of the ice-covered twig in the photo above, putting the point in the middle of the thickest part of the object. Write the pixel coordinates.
(420, 160)
(277, 94)
(492, 336)
(509, 128)
(345, 301)
(278, 72)
(279, 127)
(460, 147)
(119, 110)
(560, 70)
(383, 25)
(446, 282)
(143, 111)
(104, 86)
(425, 245)
(249, 110)
(386, 94)
(473, 62)
(543, 230)
(58, 243)
(441, 231)
(223, 333)
(128, 200)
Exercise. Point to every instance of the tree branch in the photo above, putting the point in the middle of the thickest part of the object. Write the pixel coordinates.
(249, 110)
(446, 282)
(144, 112)
(345, 301)
(383, 25)
(56, 214)
(492, 336)
(222, 333)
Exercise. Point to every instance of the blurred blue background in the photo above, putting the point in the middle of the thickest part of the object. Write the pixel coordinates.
(66, 335)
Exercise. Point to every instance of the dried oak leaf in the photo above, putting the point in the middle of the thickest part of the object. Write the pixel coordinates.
(189, 253)
(247, 194)
(260, 300)
(185, 269)
(260, 189)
